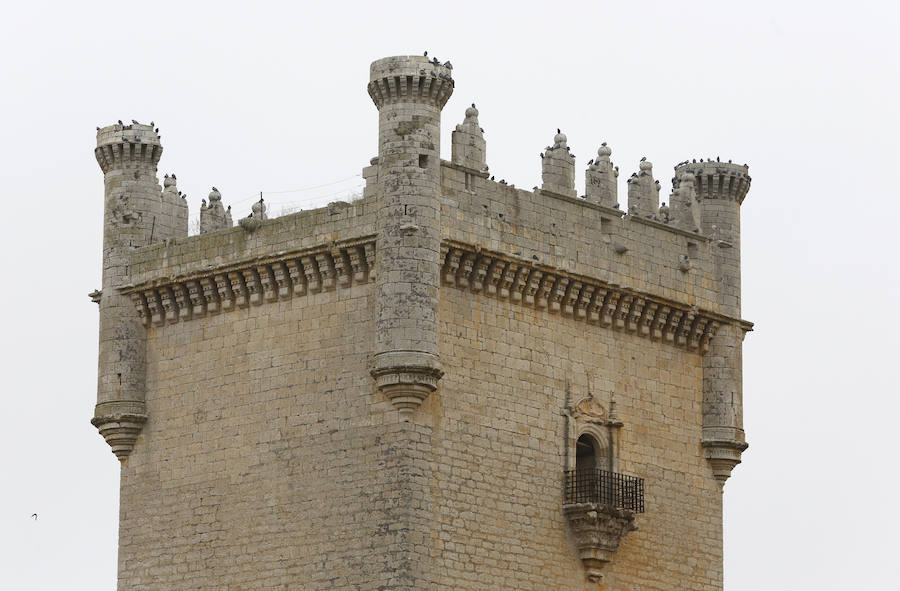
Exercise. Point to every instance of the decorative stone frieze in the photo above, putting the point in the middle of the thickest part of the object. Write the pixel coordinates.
(253, 283)
(582, 298)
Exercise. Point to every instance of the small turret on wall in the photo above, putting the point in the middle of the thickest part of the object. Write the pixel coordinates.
(643, 191)
(558, 167)
(214, 216)
(468, 145)
(601, 179)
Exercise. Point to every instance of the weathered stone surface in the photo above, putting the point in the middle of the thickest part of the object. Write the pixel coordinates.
(385, 395)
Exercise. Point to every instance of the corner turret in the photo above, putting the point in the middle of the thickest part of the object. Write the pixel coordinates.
(409, 92)
(720, 189)
(136, 213)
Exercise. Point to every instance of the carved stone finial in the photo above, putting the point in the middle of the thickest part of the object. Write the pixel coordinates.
(558, 167)
(643, 191)
(467, 142)
(601, 179)
(214, 216)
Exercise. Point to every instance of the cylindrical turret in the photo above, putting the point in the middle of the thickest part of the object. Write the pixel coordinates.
(410, 92)
(720, 189)
(136, 213)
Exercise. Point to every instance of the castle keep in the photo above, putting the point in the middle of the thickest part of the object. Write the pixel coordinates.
(450, 383)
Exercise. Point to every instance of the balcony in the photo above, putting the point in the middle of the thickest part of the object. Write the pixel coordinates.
(600, 506)
(602, 487)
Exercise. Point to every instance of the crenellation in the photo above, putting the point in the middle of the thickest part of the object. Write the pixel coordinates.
(407, 380)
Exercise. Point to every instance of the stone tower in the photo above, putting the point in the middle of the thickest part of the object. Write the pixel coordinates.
(450, 383)
(135, 213)
(409, 93)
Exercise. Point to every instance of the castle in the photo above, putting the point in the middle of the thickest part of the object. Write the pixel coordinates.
(450, 383)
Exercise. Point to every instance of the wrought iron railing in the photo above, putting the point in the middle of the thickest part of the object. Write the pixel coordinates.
(606, 488)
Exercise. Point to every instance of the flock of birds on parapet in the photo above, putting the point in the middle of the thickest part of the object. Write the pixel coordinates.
(436, 62)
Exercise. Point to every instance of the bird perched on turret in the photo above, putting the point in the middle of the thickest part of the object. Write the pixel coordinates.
(643, 158)
(542, 155)
(151, 124)
(120, 122)
(473, 105)
(98, 129)
(134, 122)
(214, 189)
(492, 177)
(425, 54)
(591, 161)
(603, 144)
(558, 130)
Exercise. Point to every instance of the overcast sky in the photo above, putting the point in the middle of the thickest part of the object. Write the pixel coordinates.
(273, 98)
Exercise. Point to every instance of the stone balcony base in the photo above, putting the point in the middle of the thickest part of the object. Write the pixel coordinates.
(598, 529)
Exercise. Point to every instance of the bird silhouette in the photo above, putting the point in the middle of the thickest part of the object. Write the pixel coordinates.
(603, 144)
(557, 130)
(98, 129)
(473, 105)
(492, 177)
(542, 155)
(151, 124)
(591, 161)
(34, 516)
(426, 54)
(120, 122)
(643, 158)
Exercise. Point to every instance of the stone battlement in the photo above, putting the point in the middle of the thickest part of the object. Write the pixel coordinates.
(378, 394)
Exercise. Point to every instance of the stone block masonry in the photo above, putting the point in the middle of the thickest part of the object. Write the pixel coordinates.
(390, 394)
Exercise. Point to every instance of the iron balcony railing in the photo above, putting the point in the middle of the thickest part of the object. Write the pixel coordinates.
(606, 488)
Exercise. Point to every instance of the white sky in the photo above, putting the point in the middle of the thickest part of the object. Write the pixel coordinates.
(273, 97)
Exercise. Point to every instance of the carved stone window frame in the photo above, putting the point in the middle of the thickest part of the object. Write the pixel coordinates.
(589, 417)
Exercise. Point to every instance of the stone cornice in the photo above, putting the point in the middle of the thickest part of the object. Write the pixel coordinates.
(251, 282)
(576, 296)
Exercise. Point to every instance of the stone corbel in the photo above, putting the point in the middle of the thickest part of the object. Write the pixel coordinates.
(406, 387)
(120, 423)
(598, 530)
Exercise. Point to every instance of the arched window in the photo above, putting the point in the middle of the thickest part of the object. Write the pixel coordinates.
(586, 454)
